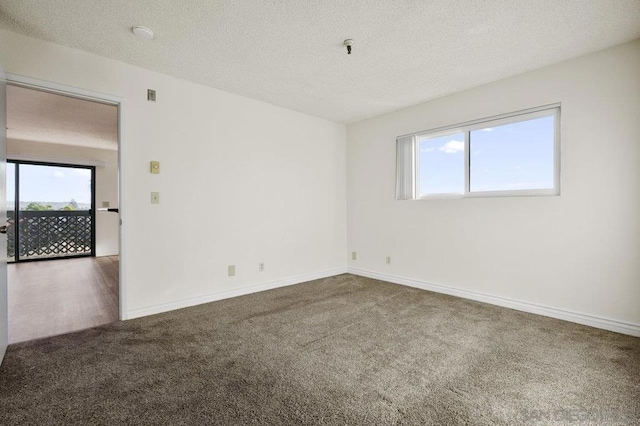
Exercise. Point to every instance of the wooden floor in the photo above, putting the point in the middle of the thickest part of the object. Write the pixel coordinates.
(59, 296)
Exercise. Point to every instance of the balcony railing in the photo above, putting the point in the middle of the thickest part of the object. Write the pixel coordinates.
(49, 234)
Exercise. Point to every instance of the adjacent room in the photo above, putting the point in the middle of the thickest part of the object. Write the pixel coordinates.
(327, 212)
(63, 242)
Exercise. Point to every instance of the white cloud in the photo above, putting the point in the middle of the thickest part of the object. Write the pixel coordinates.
(427, 149)
(452, 147)
(488, 129)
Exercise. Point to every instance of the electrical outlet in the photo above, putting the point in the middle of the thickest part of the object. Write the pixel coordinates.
(388, 260)
(155, 198)
(231, 270)
(154, 167)
(261, 267)
(353, 255)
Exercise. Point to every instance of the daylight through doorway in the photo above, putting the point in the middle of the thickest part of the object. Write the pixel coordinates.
(50, 211)
(63, 207)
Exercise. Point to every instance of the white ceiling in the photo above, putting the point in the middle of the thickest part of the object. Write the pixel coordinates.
(49, 118)
(290, 53)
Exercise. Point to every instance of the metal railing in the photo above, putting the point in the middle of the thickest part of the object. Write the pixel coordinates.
(49, 234)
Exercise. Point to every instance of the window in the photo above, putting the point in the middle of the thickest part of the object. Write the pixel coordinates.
(513, 154)
(52, 214)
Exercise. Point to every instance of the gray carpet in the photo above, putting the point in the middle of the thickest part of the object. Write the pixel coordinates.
(342, 350)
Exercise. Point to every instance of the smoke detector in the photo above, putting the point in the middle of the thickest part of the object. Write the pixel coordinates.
(142, 32)
(348, 42)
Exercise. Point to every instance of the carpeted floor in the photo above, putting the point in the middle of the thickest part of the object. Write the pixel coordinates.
(342, 350)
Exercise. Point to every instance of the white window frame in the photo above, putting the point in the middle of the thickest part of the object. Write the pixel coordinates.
(499, 120)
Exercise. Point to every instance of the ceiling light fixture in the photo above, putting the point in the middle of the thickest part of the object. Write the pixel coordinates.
(142, 32)
(348, 42)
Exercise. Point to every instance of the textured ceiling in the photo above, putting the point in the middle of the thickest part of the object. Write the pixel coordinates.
(290, 53)
(45, 117)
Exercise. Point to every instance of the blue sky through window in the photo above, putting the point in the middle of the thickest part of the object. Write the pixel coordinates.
(441, 164)
(50, 184)
(513, 156)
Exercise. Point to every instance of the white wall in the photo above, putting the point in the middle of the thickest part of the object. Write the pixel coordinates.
(107, 232)
(241, 181)
(579, 251)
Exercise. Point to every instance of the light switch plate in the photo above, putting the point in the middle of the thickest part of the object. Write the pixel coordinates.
(155, 198)
(105, 204)
(231, 270)
(154, 167)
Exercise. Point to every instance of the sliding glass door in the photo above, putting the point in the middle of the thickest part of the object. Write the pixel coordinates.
(50, 211)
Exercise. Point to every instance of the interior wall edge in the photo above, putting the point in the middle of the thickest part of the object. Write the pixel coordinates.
(609, 324)
(194, 301)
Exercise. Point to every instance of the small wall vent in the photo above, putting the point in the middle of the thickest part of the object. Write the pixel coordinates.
(151, 95)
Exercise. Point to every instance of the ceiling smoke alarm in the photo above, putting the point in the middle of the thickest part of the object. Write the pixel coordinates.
(142, 32)
(348, 42)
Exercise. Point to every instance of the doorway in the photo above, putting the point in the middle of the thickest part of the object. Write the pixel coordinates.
(63, 212)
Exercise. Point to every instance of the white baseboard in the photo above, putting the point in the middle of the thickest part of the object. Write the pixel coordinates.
(185, 303)
(590, 320)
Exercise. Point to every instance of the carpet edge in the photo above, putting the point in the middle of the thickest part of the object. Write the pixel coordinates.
(193, 301)
(617, 326)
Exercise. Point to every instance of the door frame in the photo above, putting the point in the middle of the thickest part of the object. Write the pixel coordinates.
(75, 92)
